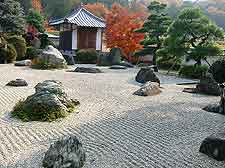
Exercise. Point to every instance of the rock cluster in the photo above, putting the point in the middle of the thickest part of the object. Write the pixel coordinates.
(66, 153)
(48, 103)
(50, 58)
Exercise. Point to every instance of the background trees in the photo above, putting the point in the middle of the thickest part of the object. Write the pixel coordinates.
(11, 16)
(155, 29)
(121, 24)
(193, 35)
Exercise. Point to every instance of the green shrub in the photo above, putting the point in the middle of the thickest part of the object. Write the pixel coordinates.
(8, 54)
(86, 56)
(31, 53)
(167, 64)
(193, 71)
(20, 46)
(218, 70)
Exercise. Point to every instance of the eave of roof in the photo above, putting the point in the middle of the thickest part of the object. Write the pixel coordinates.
(81, 17)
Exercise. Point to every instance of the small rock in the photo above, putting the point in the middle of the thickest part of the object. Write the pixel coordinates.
(117, 67)
(23, 63)
(17, 83)
(148, 89)
(87, 70)
(66, 153)
(190, 90)
(214, 146)
(215, 108)
(146, 74)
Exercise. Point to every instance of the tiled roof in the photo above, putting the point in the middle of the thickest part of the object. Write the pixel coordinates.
(81, 17)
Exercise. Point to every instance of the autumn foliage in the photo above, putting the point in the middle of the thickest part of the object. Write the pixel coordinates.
(121, 24)
(36, 4)
(97, 9)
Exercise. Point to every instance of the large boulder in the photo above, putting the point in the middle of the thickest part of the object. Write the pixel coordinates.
(113, 58)
(23, 63)
(66, 153)
(148, 89)
(146, 74)
(214, 146)
(208, 85)
(87, 70)
(48, 103)
(17, 83)
(52, 58)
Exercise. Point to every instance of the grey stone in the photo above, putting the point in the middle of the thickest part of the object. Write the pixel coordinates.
(87, 70)
(17, 83)
(214, 146)
(23, 63)
(117, 67)
(146, 74)
(66, 153)
(48, 103)
(148, 89)
(208, 85)
(53, 57)
(113, 58)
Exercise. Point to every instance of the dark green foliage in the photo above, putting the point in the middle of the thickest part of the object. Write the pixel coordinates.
(39, 113)
(45, 41)
(8, 53)
(20, 46)
(167, 64)
(31, 53)
(193, 71)
(218, 71)
(11, 17)
(155, 28)
(86, 56)
(193, 35)
(35, 19)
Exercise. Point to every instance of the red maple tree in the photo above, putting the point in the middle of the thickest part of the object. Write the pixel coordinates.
(120, 31)
(98, 9)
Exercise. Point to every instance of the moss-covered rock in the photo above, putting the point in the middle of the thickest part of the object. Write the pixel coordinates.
(48, 103)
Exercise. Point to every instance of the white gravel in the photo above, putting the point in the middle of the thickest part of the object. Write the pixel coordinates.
(117, 129)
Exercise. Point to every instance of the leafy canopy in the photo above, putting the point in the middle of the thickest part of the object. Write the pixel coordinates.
(155, 29)
(35, 19)
(194, 35)
(11, 16)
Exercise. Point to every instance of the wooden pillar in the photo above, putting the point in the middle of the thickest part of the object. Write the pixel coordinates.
(74, 39)
(99, 39)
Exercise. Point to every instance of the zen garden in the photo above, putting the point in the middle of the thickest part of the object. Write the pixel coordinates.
(112, 84)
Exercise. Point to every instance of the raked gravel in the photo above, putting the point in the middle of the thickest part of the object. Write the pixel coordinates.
(117, 129)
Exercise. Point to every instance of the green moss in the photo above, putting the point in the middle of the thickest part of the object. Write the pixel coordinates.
(44, 65)
(193, 71)
(40, 113)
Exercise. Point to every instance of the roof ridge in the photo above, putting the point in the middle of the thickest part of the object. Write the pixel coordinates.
(93, 15)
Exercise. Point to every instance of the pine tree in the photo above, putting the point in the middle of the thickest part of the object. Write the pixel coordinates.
(155, 29)
(11, 16)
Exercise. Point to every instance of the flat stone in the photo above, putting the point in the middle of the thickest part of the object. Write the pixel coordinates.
(148, 89)
(17, 83)
(87, 70)
(66, 153)
(214, 146)
(118, 67)
(190, 90)
(23, 63)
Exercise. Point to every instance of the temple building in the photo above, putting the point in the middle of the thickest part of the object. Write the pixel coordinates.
(79, 30)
